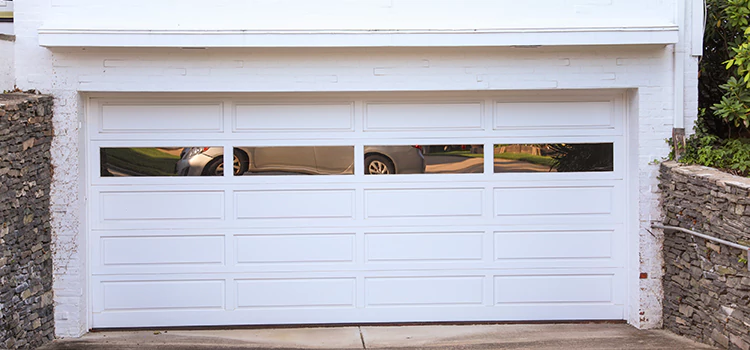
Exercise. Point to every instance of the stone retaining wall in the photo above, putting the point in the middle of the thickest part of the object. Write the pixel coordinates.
(706, 285)
(26, 307)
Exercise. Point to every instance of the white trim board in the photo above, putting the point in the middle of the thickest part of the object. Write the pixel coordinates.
(524, 37)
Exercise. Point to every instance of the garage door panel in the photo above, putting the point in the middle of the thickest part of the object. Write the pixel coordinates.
(554, 201)
(424, 247)
(434, 202)
(554, 115)
(162, 250)
(423, 116)
(554, 289)
(294, 204)
(158, 118)
(531, 245)
(302, 117)
(256, 249)
(163, 295)
(161, 205)
(424, 291)
(288, 293)
(313, 315)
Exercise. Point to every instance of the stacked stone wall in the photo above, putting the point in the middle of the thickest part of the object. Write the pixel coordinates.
(706, 284)
(26, 300)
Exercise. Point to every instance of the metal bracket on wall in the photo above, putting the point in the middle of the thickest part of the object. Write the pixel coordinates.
(705, 236)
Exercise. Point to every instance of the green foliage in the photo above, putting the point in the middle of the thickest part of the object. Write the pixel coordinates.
(722, 133)
(731, 155)
(733, 106)
(582, 157)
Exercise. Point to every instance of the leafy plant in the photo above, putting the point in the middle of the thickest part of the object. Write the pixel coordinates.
(731, 155)
(733, 106)
(722, 133)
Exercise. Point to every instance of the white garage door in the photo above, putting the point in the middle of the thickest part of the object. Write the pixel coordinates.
(486, 208)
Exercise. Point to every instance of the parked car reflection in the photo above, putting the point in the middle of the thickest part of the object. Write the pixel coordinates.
(300, 160)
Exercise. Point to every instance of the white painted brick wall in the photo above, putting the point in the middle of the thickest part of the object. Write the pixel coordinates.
(64, 72)
(7, 71)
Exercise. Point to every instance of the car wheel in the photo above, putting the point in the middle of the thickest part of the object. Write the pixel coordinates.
(215, 167)
(377, 165)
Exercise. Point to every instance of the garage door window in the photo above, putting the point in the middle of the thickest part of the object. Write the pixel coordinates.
(157, 161)
(558, 157)
(424, 159)
(296, 160)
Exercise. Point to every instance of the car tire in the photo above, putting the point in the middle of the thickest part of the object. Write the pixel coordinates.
(216, 166)
(376, 164)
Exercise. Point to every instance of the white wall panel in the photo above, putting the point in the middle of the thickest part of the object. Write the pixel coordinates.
(166, 205)
(141, 295)
(423, 203)
(554, 289)
(553, 201)
(423, 116)
(553, 245)
(536, 115)
(424, 291)
(443, 246)
(294, 117)
(338, 292)
(295, 248)
(162, 250)
(158, 118)
(294, 204)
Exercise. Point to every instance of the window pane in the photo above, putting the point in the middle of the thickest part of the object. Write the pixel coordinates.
(158, 161)
(559, 157)
(426, 159)
(294, 160)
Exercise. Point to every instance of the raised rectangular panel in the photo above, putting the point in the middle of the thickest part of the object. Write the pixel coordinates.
(162, 250)
(145, 295)
(423, 116)
(295, 248)
(553, 289)
(294, 204)
(117, 206)
(553, 245)
(294, 117)
(384, 291)
(553, 201)
(540, 115)
(157, 118)
(333, 292)
(424, 246)
(423, 203)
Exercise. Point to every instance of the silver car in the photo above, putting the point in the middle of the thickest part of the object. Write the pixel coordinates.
(329, 160)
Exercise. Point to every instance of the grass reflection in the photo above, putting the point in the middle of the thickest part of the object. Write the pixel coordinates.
(140, 161)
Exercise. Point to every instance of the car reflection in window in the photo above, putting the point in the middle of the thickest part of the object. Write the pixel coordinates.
(143, 161)
(302, 160)
(560, 157)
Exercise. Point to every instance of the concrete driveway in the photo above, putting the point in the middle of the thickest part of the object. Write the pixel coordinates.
(472, 337)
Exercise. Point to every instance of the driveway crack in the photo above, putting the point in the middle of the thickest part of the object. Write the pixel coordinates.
(362, 338)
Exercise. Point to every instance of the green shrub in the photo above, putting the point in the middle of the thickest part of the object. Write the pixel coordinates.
(732, 155)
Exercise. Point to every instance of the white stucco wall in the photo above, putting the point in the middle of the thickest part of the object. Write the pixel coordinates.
(68, 73)
(7, 66)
